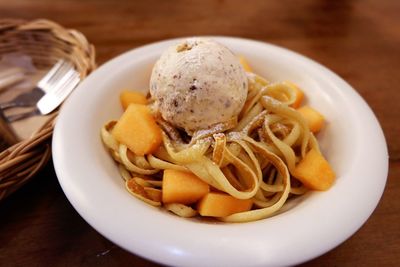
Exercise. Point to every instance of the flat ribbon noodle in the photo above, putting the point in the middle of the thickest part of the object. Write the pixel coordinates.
(285, 111)
(162, 164)
(190, 154)
(123, 150)
(106, 136)
(248, 157)
(262, 213)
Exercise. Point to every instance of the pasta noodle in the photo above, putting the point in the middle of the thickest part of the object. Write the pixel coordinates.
(250, 157)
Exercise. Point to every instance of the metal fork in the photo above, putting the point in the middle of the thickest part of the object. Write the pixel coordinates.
(32, 97)
(58, 86)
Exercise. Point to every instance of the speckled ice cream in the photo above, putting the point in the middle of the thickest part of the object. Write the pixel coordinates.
(198, 83)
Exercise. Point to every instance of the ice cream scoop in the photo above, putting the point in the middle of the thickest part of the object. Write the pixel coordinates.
(198, 83)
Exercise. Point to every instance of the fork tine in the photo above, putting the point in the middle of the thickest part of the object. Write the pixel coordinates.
(50, 74)
(57, 84)
(57, 76)
(67, 86)
(55, 97)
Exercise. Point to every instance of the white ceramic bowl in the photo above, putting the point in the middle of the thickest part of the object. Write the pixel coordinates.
(352, 142)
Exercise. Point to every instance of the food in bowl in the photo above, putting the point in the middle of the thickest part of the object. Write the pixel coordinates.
(214, 139)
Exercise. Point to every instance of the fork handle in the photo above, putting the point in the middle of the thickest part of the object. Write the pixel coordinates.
(26, 99)
(24, 115)
(7, 105)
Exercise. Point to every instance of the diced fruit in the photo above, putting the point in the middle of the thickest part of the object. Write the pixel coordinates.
(314, 171)
(216, 204)
(299, 95)
(138, 130)
(314, 119)
(182, 187)
(131, 97)
(245, 64)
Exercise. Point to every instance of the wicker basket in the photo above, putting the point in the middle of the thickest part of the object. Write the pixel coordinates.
(45, 42)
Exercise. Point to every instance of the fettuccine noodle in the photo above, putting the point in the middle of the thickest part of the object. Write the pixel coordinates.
(250, 157)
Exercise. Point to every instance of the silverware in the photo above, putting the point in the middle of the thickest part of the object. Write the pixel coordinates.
(57, 86)
(45, 84)
(24, 100)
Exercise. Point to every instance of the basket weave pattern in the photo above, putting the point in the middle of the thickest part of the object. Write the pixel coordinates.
(45, 42)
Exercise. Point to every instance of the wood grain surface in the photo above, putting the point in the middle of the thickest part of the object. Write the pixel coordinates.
(359, 40)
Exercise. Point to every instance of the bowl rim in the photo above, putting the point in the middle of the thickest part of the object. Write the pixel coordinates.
(249, 247)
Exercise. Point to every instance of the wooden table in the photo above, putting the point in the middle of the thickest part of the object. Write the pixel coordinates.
(359, 40)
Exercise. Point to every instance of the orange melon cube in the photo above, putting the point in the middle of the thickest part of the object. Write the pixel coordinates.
(132, 97)
(138, 130)
(217, 204)
(245, 64)
(314, 119)
(314, 171)
(299, 95)
(182, 187)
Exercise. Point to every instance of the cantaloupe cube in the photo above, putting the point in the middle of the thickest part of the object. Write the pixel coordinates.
(314, 119)
(138, 130)
(216, 204)
(299, 95)
(182, 187)
(245, 64)
(131, 97)
(314, 171)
